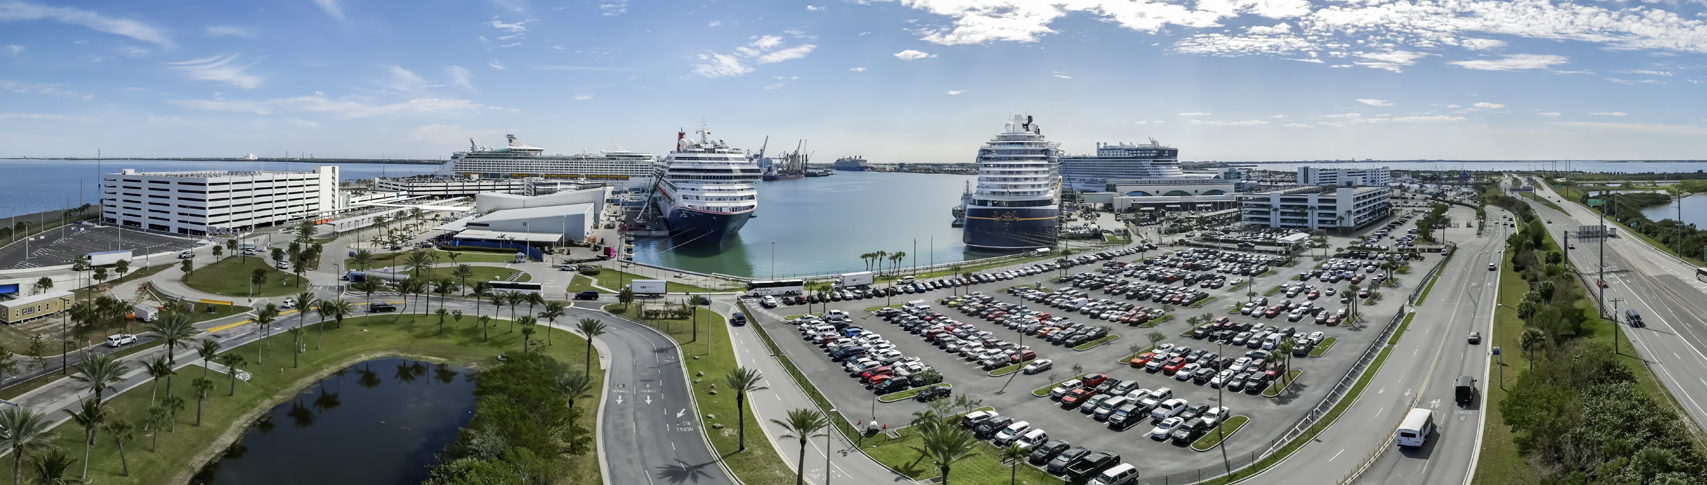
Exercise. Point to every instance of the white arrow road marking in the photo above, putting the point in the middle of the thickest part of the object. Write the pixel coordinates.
(680, 413)
(619, 399)
(648, 399)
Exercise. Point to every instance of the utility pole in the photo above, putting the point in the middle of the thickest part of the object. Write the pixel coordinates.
(1601, 282)
(1615, 302)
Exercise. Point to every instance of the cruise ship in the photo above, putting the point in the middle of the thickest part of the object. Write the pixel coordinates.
(1120, 161)
(1016, 204)
(706, 190)
(619, 168)
(851, 164)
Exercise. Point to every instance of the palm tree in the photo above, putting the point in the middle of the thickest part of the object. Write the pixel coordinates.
(944, 445)
(743, 381)
(90, 416)
(231, 361)
(553, 311)
(256, 279)
(157, 369)
(589, 328)
(497, 300)
(462, 273)
(442, 313)
(574, 386)
(305, 301)
(877, 258)
(295, 345)
(156, 416)
(418, 260)
(1530, 340)
(485, 328)
(1013, 455)
(202, 385)
(264, 321)
(527, 322)
(340, 310)
(480, 290)
(50, 468)
(207, 352)
(368, 287)
(175, 329)
(174, 404)
(513, 298)
(120, 430)
(533, 299)
(443, 287)
(231, 245)
(100, 372)
(803, 424)
(27, 432)
(363, 258)
(1285, 350)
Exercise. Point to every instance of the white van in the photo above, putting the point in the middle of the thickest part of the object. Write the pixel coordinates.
(1414, 430)
(1122, 474)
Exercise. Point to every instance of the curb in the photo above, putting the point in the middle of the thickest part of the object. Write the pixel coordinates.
(1224, 439)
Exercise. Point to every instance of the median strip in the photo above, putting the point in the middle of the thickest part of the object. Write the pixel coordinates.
(1322, 348)
(1213, 437)
(1044, 391)
(1094, 343)
(908, 394)
(1280, 385)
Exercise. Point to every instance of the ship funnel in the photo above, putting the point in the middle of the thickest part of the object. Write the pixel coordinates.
(512, 139)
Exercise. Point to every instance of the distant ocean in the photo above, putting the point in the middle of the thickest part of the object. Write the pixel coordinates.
(31, 186)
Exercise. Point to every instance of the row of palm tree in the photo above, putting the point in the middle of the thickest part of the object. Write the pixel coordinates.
(875, 260)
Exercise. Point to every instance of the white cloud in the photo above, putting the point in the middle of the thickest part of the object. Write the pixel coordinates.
(786, 54)
(857, 69)
(1278, 116)
(1615, 114)
(1280, 28)
(1512, 63)
(720, 65)
(1230, 123)
(618, 7)
(1299, 125)
(1375, 102)
(1063, 76)
(955, 93)
(1349, 116)
(219, 69)
(1481, 44)
(41, 116)
(1486, 105)
(460, 77)
(1551, 114)
(715, 23)
(1389, 60)
(38, 88)
(1411, 119)
(230, 30)
(776, 86)
(1652, 73)
(349, 107)
(515, 28)
(1149, 122)
(909, 54)
(1195, 114)
(510, 45)
(14, 49)
(1635, 82)
(583, 97)
(301, 123)
(1453, 106)
(814, 9)
(403, 80)
(331, 7)
(496, 64)
(15, 10)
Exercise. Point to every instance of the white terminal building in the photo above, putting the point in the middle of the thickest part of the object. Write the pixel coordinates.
(217, 202)
(1316, 207)
(1344, 176)
(563, 216)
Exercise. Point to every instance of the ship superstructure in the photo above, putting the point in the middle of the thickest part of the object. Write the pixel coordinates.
(1016, 204)
(1120, 161)
(620, 168)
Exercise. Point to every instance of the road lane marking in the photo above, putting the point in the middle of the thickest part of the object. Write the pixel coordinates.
(231, 326)
(1337, 455)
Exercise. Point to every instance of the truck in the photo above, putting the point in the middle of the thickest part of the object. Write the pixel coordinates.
(1087, 467)
(145, 313)
(648, 287)
(862, 278)
(108, 258)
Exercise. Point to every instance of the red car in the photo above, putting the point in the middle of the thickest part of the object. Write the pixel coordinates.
(1093, 380)
(1142, 359)
(1174, 365)
(880, 371)
(1077, 396)
(1274, 369)
(1222, 320)
(1022, 356)
(1273, 311)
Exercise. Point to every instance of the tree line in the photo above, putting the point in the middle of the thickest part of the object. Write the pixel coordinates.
(525, 418)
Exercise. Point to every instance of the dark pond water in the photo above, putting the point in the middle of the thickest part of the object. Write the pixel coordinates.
(378, 423)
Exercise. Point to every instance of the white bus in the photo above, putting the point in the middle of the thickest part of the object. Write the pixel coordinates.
(1414, 430)
(775, 287)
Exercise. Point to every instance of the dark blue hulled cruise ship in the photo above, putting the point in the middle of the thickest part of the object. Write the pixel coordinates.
(706, 189)
(1017, 202)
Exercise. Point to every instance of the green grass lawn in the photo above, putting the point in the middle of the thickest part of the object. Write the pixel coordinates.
(614, 280)
(362, 338)
(880, 307)
(1092, 344)
(580, 283)
(20, 388)
(1272, 291)
(1322, 348)
(481, 273)
(1394, 340)
(1007, 370)
(1044, 391)
(1213, 437)
(230, 277)
(1156, 321)
(1205, 301)
(1280, 385)
(983, 467)
(908, 394)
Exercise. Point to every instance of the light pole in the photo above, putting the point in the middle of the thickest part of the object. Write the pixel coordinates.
(827, 444)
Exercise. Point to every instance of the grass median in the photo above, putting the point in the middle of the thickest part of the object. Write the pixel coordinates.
(1272, 291)
(1205, 301)
(1322, 348)
(1094, 343)
(1044, 391)
(1213, 437)
(1156, 321)
(230, 277)
(1280, 385)
(908, 394)
(1394, 340)
(1007, 370)
(983, 466)
(1127, 361)
(362, 338)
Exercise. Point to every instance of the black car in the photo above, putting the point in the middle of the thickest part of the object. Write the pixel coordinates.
(895, 385)
(587, 295)
(381, 307)
(1048, 452)
(1058, 464)
(934, 393)
(989, 427)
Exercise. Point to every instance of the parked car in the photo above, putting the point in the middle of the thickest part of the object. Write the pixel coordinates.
(1037, 366)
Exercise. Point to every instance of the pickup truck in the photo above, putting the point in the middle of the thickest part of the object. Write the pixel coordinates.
(1087, 467)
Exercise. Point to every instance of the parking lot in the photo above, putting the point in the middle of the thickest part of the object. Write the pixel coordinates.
(1012, 394)
(63, 247)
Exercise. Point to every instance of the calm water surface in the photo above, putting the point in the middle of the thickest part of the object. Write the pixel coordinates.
(379, 423)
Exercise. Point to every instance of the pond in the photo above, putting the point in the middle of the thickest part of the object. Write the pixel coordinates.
(377, 422)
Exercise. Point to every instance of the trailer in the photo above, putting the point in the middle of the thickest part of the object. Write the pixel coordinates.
(108, 258)
(648, 287)
(862, 278)
(145, 313)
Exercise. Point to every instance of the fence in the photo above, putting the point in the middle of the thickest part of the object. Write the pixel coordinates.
(1243, 460)
(1423, 283)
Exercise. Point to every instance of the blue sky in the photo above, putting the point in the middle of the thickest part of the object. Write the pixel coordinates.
(909, 80)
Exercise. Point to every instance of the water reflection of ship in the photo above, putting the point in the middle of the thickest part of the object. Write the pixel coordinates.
(786, 166)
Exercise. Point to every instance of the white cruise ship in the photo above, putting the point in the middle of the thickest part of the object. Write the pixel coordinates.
(1017, 202)
(619, 168)
(706, 190)
(1120, 161)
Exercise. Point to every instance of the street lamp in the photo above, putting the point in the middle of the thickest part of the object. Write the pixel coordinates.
(827, 444)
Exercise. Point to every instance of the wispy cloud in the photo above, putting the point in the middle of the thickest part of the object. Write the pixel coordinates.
(762, 50)
(39, 88)
(41, 116)
(496, 65)
(583, 97)
(1550, 114)
(515, 28)
(720, 65)
(1615, 114)
(1230, 123)
(403, 80)
(612, 9)
(857, 69)
(909, 54)
(218, 69)
(1513, 63)
(301, 123)
(1393, 60)
(786, 54)
(231, 31)
(1652, 73)
(1195, 114)
(1149, 122)
(1487, 105)
(1299, 125)
(343, 108)
(14, 49)
(955, 93)
(1651, 128)
(1375, 102)
(14, 10)
(815, 9)
(331, 7)
(461, 77)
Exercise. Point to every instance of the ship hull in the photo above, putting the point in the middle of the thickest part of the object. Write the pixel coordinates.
(773, 178)
(1011, 228)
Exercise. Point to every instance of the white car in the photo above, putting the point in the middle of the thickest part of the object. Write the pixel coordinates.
(1168, 409)
(120, 340)
(1239, 364)
(1065, 388)
(1011, 433)
(1037, 366)
(1032, 439)
(1215, 415)
(1221, 378)
(1160, 432)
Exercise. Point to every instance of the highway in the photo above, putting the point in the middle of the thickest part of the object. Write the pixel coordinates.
(1420, 371)
(1660, 287)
